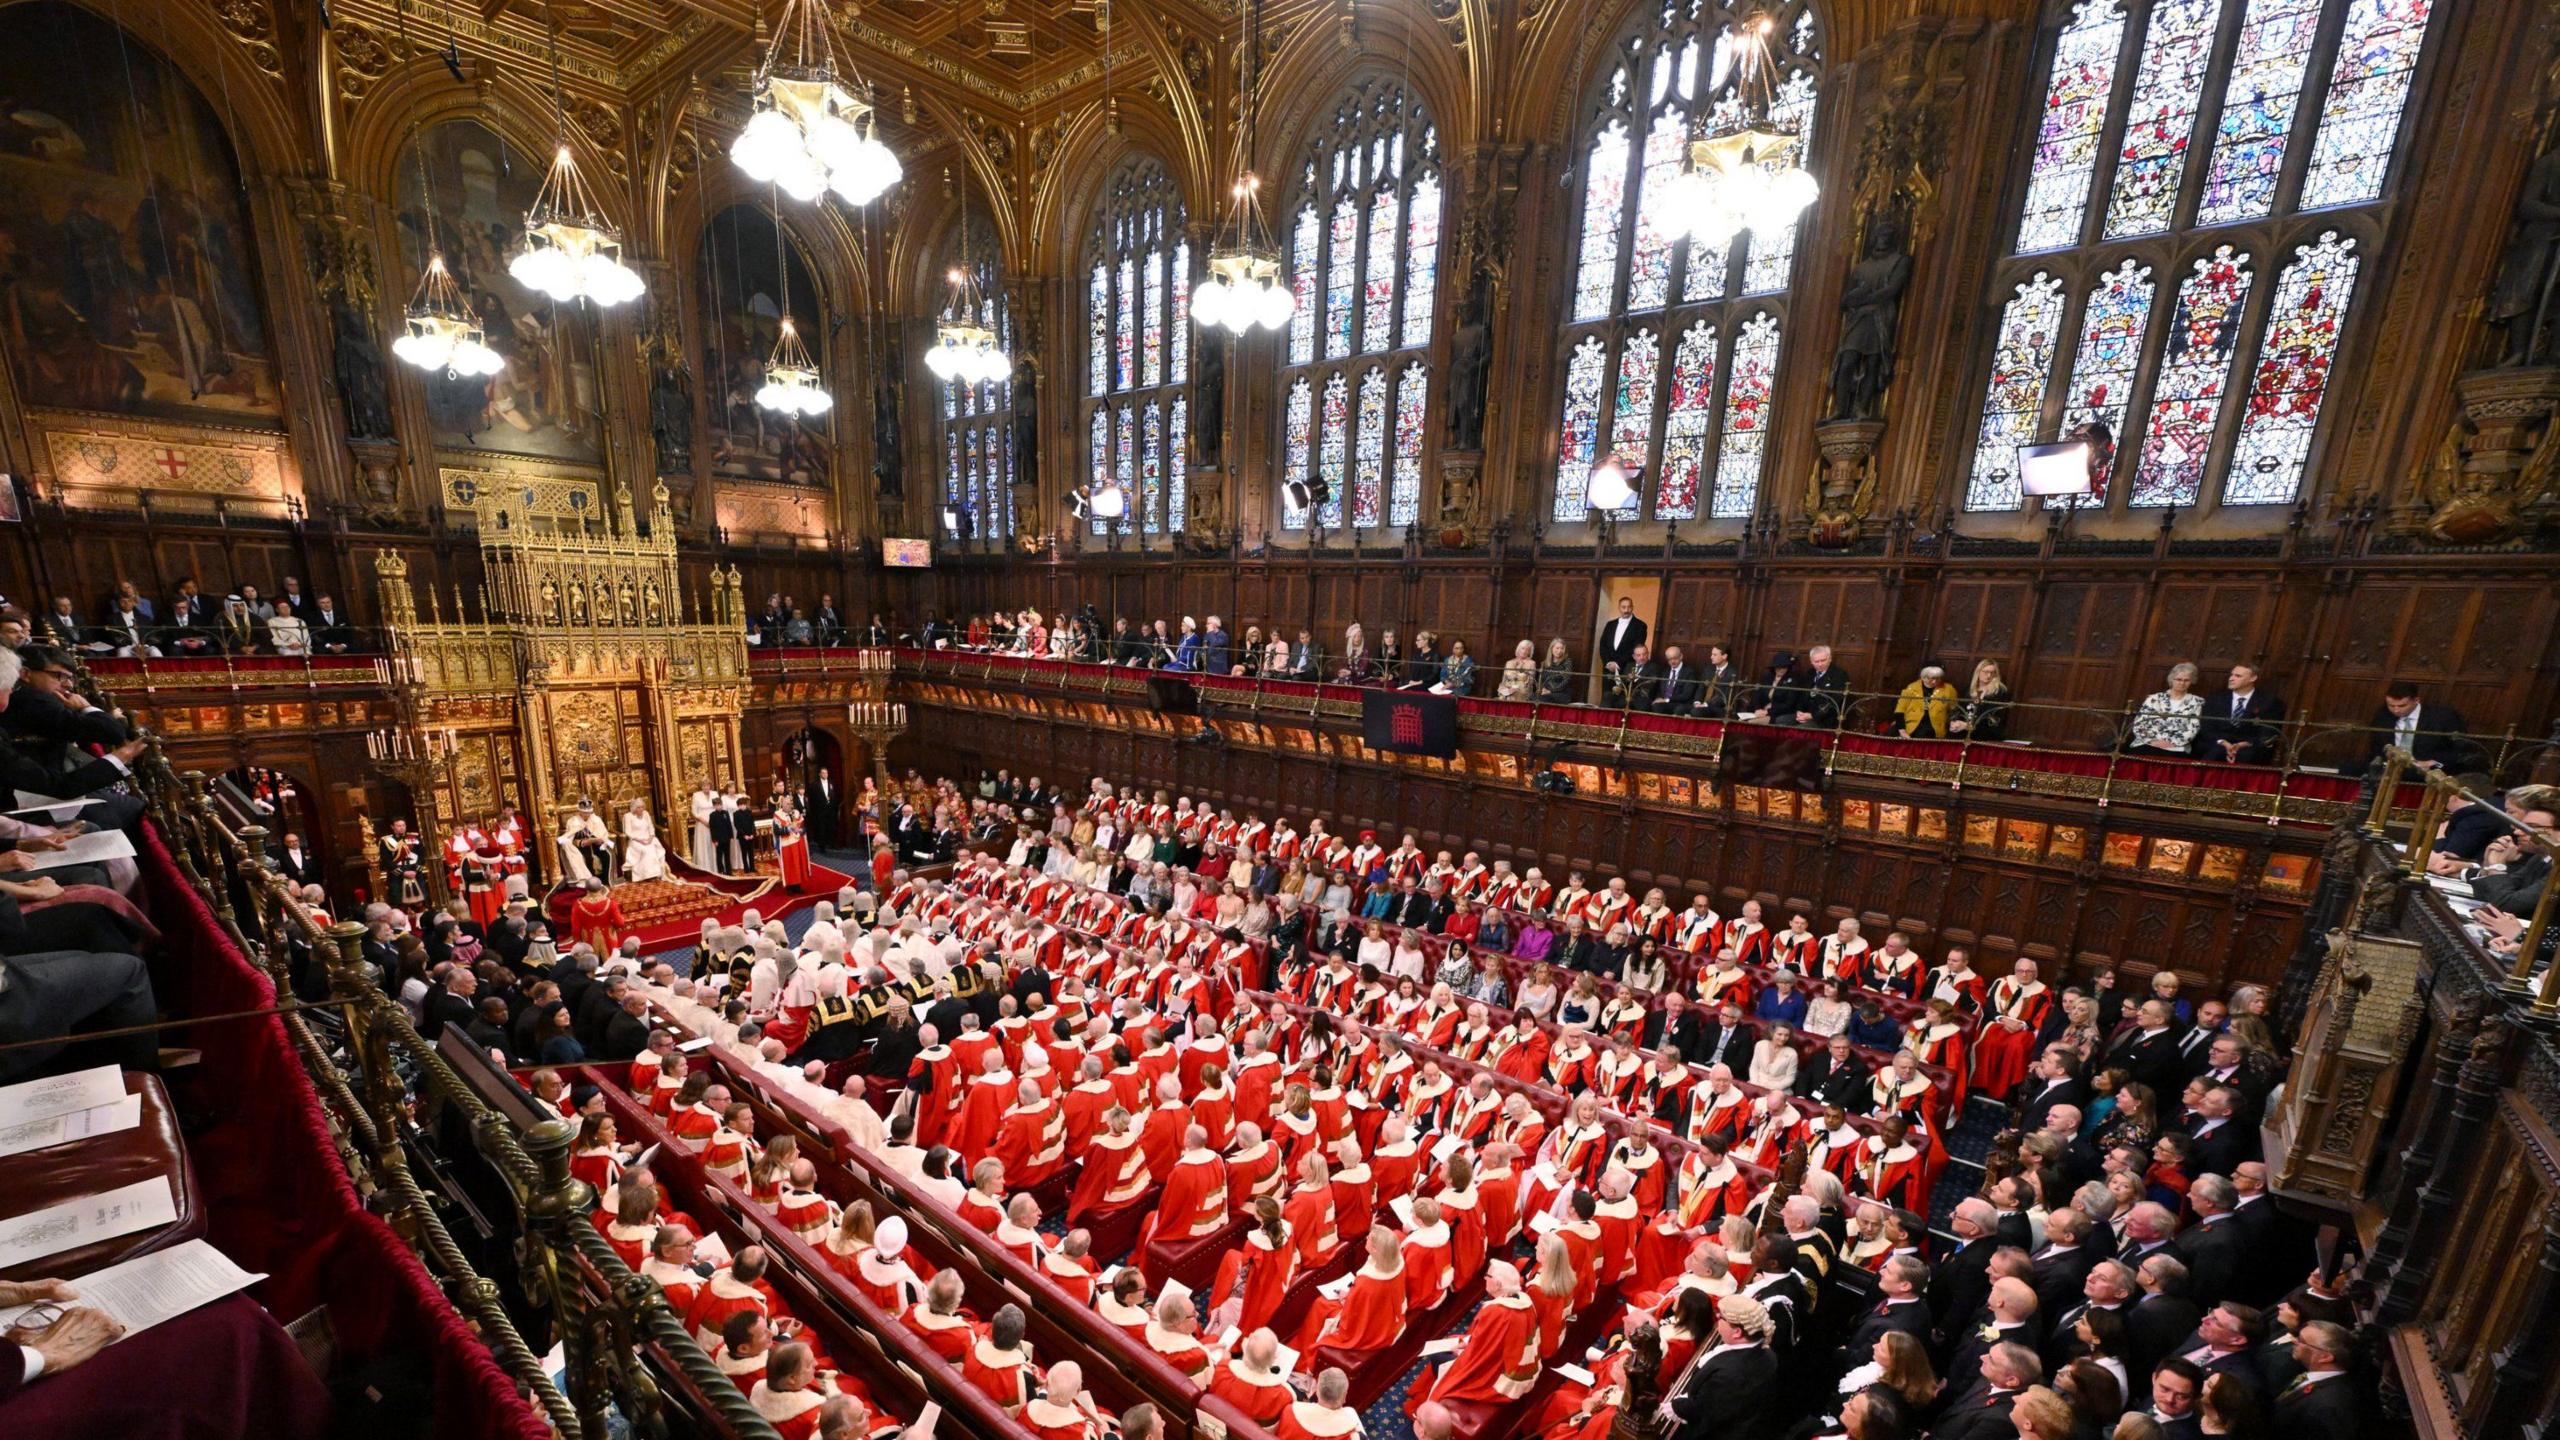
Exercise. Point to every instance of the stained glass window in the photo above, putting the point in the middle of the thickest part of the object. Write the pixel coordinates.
(1368, 223)
(2112, 323)
(1580, 445)
(1421, 260)
(2360, 118)
(1404, 487)
(1138, 324)
(973, 416)
(1378, 285)
(1302, 281)
(1689, 424)
(1151, 471)
(2186, 116)
(1631, 437)
(2195, 370)
(2292, 373)
(2074, 116)
(1369, 449)
(2258, 102)
(1746, 419)
(1649, 335)
(1297, 441)
(1342, 270)
(1595, 284)
(1333, 457)
(1177, 462)
(2162, 118)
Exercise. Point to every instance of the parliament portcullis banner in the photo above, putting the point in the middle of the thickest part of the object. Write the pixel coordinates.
(1410, 722)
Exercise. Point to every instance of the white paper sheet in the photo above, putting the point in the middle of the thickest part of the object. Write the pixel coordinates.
(713, 1249)
(1574, 1373)
(699, 1042)
(125, 1114)
(25, 1239)
(60, 1095)
(1284, 1360)
(1445, 1345)
(1336, 1289)
(95, 848)
(1173, 1287)
(1403, 1206)
(51, 810)
(56, 810)
(163, 1285)
(1446, 1147)
(1543, 1222)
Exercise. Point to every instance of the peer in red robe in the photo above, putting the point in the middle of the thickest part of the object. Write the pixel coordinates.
(2015, 1010)
(597, 919)
(1115, 1172)
(991, 1093)
(1310, 1420)
(1002, 1374)
(1194, 1202)
(1251, 1382)
(1309, 1213)
(1257, 1274)
(1160, 1139)
(1498, 1361)
(1369, 1317)
(1032, 1140)
(946, 1333)
(1082, 1108)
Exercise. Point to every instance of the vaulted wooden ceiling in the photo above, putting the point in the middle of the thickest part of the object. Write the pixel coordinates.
(1013, 56)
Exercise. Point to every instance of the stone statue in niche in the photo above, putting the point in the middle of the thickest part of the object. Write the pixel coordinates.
(2520, 303)
(1870, 317)
(888, 440)
(670, 408)
(1209, 407)
(652, 604)
(577, 603)
(364, 390)
(1470, 364)
(1026, 423)
(550, 602)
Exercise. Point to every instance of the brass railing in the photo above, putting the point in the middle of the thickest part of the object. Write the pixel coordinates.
(604, 1313)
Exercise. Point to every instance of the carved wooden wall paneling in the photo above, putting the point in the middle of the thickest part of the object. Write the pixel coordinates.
(2006, 887)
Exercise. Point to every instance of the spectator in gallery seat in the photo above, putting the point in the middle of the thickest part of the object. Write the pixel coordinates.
(1556, 678)
(1926, 708)
(2166, 722)
(286, 634)
(1983, 713)
(2240, 723)
(2431, 731)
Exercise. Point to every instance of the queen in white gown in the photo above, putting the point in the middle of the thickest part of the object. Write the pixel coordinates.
(704, 857)
(644, 855)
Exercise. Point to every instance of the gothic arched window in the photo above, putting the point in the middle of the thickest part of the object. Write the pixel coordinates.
(2192, 231)
(1670, 344)
(977, 420)
(1138, 349)
(1363, 243)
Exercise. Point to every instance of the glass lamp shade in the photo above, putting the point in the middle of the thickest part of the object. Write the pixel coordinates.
(1110, 503)
(1608, 488)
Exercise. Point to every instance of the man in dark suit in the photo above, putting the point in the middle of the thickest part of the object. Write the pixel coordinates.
(1679, 1028)
(1677, 690)
(1620, 636)
(62, 625)
(2228, 1341)
(1960, 1282)
(1635, 683)
(1835, 1077)
(2175, 1385)
(2322, 1399)
(1727, 1042)
(296, 863)
(1980, 1410)
(1730, 1388)
(2222, 1139)
(1816, 696)
(331, 632)
(1720, 684)
(2008, 1319)
(2215, 1246)
(2149, 1051)
(2060, 1270)
(2161, 1315)
(2110, 1286)
(1902, 1279)
(2053, 1079)
(1306, 659)
(2240, 723)
(1419, 909)
(450, 1003)
(2431, 732)
(1777, 1284)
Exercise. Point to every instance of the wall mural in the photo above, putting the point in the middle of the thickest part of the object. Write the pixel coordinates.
(741, 300)
(545, 403)
(125, 249)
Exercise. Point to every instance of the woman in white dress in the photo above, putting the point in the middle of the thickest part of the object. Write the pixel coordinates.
(644, 855)
(704, 857)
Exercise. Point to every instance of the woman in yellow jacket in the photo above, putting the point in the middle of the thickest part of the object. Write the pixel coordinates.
(1925, 707)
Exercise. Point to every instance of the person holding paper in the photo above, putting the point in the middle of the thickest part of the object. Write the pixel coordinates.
(1252, 1380)
(1370, 1315)
(1497, 1361)
(1329, 1416)
(71, 1336)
